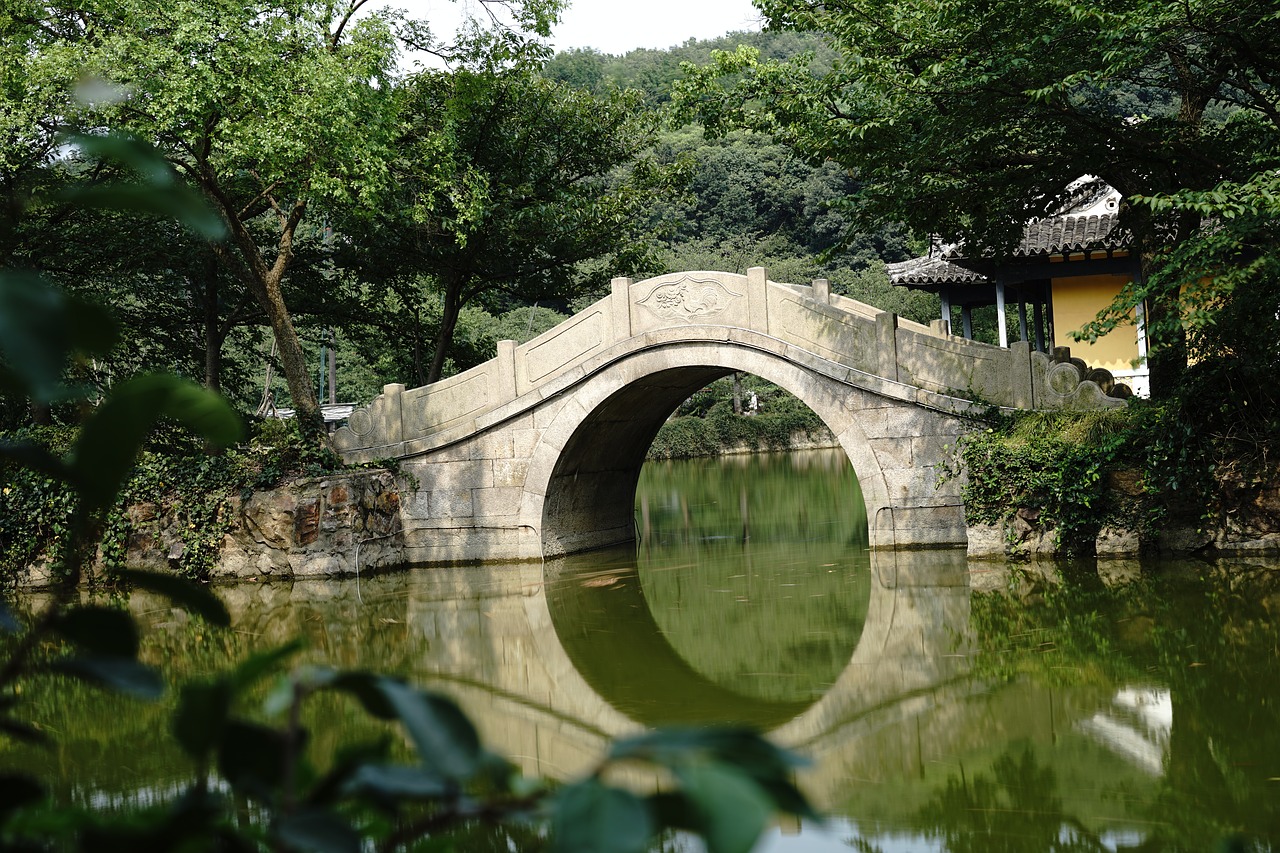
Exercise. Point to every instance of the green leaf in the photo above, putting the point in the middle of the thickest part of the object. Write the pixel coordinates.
(124, 675)
(741, 746)
(40, 327)
(102, 630)
(282, 696)
(178, 202)
(252, 757)
(674, 811)
(17, 791)
(258, 666)
(160, 193)
(127, 150)
(319, 831)
(398, 782)
(347, 761)
(185, 593)
(33, 456)
(736, 750)
(444, 737)
(731, 809)
(589, 817)
(110, 439)
(201, 716)
(367, 688)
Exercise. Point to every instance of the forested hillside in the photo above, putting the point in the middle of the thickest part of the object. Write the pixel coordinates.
(473, 206)
(728, 203)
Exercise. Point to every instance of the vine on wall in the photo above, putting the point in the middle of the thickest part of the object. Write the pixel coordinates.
(175, 480)
(1074, 473)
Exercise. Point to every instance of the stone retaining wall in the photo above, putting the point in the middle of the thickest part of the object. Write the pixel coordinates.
(327, 526)
(1018, 540)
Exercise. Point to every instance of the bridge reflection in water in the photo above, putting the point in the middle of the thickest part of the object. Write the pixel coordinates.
(751, 598)
(750, 611)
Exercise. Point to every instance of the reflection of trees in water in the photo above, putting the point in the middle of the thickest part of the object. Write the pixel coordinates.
(748, 569)
(1013, 808)
(116, 752)
(807, 496)
(1208, 634)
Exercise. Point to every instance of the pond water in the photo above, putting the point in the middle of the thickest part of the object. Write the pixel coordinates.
(944, 705)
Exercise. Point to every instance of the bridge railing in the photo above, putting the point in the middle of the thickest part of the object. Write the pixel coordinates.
(857, 343)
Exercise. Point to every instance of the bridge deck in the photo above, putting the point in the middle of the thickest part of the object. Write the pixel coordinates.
(537, 452)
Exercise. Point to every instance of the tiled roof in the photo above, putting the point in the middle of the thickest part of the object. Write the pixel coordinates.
(931, 269)
(1065, 234)
(1049, 236)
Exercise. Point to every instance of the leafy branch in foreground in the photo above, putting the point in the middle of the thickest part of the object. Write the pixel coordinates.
(728, 781)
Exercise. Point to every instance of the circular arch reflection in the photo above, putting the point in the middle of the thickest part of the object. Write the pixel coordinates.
(743, 603)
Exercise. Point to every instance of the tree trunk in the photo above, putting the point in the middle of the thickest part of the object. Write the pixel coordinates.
(1167, 360)
(264, 283)
(292, 360)
(213, 336)
(448, 323)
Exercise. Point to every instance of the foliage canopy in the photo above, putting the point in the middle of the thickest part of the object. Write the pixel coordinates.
(967, 118)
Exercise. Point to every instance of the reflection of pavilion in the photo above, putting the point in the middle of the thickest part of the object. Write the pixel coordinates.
(1135, 727)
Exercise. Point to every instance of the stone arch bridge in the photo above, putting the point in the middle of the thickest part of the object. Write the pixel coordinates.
(537, 452)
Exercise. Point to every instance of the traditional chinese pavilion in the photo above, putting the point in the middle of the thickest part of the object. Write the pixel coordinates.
(1066, 269)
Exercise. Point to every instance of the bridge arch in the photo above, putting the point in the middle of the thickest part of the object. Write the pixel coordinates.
(581, 484)
(535, 453)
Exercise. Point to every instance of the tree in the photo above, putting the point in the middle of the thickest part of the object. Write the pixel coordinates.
(268, 110)
(966, 117)
(509, 182)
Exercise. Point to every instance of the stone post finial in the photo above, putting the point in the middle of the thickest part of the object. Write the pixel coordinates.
(620, 308)
(758, 298)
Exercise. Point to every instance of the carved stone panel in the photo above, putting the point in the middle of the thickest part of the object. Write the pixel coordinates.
(439, 406)
(688, 299)
(846, 339)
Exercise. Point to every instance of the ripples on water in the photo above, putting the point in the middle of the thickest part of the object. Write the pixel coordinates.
(945, 705)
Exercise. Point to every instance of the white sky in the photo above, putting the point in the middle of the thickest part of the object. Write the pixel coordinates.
(617, 26)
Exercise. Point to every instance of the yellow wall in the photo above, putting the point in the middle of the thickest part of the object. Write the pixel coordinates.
(1078, 300)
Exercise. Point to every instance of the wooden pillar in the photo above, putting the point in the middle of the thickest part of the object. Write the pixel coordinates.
(1037, 316)
(966, 321)
(1022, 316)
(1140, 311)
(1001, 319)
(945, 298)
(1048, 310)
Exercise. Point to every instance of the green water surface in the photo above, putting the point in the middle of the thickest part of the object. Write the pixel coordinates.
(944, 705)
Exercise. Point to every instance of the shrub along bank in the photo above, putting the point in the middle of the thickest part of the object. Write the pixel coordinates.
(1148, 477)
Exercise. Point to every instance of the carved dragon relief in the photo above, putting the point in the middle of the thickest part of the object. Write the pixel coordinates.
(689, 299)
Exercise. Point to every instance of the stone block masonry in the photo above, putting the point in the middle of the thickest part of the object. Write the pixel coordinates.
(537, 452)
